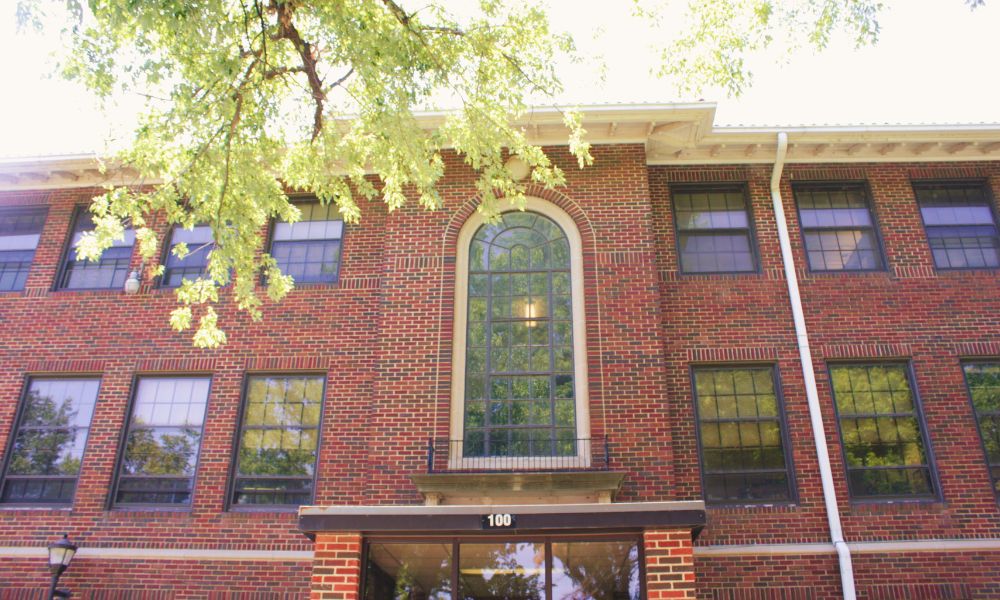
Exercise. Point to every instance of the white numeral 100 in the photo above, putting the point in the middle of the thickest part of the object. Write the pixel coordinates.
(499, 520)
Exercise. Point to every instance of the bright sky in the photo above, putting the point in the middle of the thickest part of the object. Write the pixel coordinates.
(935, 62)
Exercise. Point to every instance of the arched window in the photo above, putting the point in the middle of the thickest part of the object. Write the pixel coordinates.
(521, 390)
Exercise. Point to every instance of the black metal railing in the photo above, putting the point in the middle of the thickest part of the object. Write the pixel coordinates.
(557, 454)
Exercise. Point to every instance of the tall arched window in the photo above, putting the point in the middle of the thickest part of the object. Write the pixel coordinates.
(521, 390)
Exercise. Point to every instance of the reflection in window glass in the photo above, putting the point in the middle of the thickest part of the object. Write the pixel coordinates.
(713, 230)
(276, 463)
(837, 228)
(199, 244)
(108, 272)
(502, 570)
(49, 441)
(880, 429)
(309, 250)
(597, 570)
(958, 218)
(740, 433)
(983, 380)
(408, 571)
(20, 230)
(161, 449)
(519, 393)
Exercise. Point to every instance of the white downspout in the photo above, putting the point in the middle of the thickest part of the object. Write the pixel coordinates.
(808, 374)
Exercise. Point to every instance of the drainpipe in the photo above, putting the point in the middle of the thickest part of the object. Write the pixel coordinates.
(808, 374)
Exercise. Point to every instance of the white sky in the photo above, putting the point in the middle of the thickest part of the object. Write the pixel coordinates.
(936, 61)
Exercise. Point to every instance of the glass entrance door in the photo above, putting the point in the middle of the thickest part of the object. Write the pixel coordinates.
(548, 568)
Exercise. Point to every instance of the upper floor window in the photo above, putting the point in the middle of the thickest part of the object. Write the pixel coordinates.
(519, 372)
(309, 250)
(20, 229)
(199, 243)
(47, 445)
(741, 435)
(837, 227)
(713, 229)
(108, 272)
(164, 435)
(983, 380)
(880, 427)
(960, 224)
(279, 437)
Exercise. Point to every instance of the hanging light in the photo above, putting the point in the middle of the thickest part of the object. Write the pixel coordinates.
(61, 555)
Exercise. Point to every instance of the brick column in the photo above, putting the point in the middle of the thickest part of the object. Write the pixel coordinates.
(336, 573)
(669, 564)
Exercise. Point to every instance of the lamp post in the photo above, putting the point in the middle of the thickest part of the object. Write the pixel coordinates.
(60, 555)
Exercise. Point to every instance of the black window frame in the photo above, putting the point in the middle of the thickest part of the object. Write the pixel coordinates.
(112, 502)
(15, 428)
(991, 203)
(67, 256)
(793, 495)
(994, 481)
(43, 212)
(545, 539)
(866, 194)
(936, 494)
(751, 230)
(166, 254)
(298, 201)
(234, 465)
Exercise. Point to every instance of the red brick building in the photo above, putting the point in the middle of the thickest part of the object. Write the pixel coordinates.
(602, 397)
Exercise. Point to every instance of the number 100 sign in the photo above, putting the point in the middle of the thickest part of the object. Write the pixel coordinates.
(499, 521)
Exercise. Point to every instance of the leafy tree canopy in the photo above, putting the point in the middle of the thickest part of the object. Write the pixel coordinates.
(251, 98)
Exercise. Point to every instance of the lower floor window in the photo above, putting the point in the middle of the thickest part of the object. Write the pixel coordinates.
(880, 428)
(530, 568)
(983, 380)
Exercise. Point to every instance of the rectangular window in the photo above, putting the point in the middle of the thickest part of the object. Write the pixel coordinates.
(276, 462)
(713, 230)
(20, 229)
(983, 380)
(309, 250)
(164, 435)
(199, 243)
(48, 443)
(885, 447)
(960, 224)
(741, 436)
(837, 227)
(109, 272)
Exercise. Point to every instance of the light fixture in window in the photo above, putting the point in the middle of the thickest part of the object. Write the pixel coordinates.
(531, 313)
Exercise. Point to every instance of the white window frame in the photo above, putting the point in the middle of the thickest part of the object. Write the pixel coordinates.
(581, 388)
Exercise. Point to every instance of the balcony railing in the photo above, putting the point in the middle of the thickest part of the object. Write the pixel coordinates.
(463, 456)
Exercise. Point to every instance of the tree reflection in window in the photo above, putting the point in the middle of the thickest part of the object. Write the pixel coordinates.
(278, 441)
(983, 380)
(519, 385)
(49, 441)
(161, 449)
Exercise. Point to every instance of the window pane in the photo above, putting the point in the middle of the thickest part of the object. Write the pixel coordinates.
(502, 570)
(50, 440)
(983, 380)
(599, 570)
(20, 230)
(880, 431)
(309, 250)
(277, 452)
(713, 229)
(520, 308)
(740, 434)
(199, 243)
(960, 225)
(161, 450)
(837, 228)
(408, 571)
(108, 272)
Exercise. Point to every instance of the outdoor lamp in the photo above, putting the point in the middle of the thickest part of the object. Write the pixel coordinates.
(132, 283)
(61, 554)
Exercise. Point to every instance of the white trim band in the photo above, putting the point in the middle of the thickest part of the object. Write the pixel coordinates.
(988, 545)
(212, 554)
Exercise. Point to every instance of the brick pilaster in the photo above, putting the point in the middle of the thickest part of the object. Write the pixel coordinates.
(669, 564)
(336, 572)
